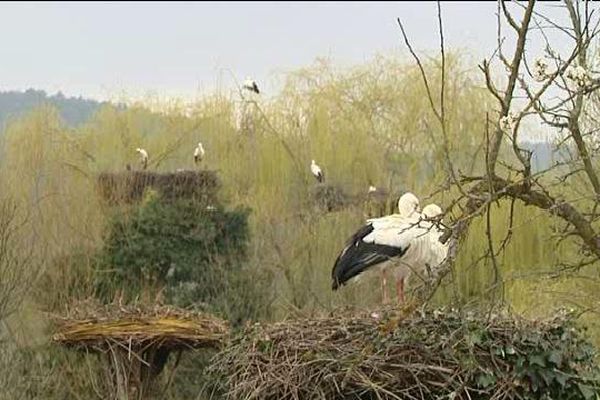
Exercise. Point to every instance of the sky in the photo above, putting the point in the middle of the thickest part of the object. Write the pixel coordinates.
(184, 49)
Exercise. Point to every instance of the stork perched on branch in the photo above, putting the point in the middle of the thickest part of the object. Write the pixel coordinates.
(250, 84)
(143, 157)
(407, 242)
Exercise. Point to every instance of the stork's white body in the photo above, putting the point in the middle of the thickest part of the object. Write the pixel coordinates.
(316, 171)
(418, 235)
(143, 157)
(199, 153)
(406, 242)
(250, 84)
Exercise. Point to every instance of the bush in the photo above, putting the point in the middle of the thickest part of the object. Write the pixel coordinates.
(191, 254)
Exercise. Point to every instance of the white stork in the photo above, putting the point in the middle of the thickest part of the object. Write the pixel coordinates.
(250, 84)
(143, 157)
(406, 241)
(408, 209)
(316, 171)
(198, 153)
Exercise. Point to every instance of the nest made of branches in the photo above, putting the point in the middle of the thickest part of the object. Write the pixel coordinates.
(434, 355)
(330, 198)
(380, 203)
(129, 186)
(96, 327)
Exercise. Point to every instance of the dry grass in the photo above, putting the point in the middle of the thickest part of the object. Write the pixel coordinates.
(97, 327)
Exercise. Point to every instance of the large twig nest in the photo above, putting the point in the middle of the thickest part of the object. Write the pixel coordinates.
(435, 355)
(129, 186)
(329, 198)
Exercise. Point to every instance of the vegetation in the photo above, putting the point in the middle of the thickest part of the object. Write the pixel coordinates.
(441, 354)
(265, 252)
(183, 250)
(73, 110)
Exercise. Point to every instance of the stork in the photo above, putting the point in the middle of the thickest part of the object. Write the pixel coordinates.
(406, 241)
(143, 157)
(316, 171)
(250, 84)
(198, 153)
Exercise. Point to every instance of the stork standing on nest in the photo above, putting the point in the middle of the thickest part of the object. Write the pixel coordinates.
(143, 157)
(250, 84)
(198, 153)
(408, 209)
(316, 171)
(406, 241)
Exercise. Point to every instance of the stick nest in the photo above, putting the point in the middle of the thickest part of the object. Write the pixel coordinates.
(434, 355)
(330, 198)
(129, 186)
(98, 327)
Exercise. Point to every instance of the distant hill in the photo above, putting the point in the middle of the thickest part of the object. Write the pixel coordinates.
(74, 110)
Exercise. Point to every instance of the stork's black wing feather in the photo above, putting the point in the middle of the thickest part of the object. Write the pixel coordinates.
(358, 255)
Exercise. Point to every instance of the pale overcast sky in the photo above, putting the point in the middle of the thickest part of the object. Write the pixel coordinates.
(97, 49)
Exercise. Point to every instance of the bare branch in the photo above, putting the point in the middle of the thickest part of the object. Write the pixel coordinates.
(508, 93)
(423, 74)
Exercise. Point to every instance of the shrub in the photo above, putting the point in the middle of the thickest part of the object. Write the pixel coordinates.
(190, 254)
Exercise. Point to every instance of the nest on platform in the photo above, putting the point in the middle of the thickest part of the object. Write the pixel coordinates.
(330, 198)
(135, 342)
(97, 326)
(129, 186)
(429, 355)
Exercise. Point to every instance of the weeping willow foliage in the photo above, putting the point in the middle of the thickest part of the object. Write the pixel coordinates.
(367, 125)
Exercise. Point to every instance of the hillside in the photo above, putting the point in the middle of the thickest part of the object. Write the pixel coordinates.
(74, 110)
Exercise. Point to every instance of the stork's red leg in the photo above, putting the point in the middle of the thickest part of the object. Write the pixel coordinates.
(400, 290)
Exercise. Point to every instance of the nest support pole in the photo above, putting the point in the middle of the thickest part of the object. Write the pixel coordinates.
(133, 372)
(135, 343)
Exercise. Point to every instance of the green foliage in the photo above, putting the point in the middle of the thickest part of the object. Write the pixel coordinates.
(557, 363)
(194, 253)
(74, 111)
(367, 124)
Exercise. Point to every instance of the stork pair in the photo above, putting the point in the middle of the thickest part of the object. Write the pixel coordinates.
(406, 242)
(198, 155)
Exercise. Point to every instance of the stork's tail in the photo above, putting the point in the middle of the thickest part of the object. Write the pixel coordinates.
(347, 265)
(358, 256)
